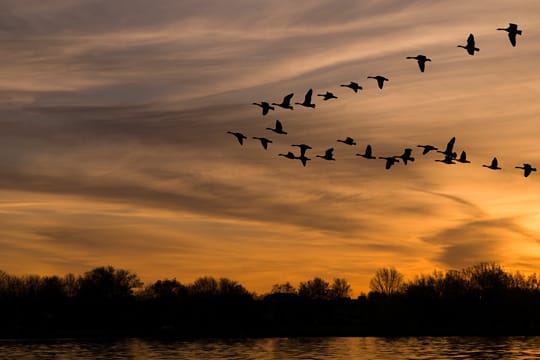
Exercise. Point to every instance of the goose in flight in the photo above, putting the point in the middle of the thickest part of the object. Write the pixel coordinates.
(494, 165)
(421, 59)
(427, 148)
(238, 136)
(380, 80)
(348, 141)
(264, 141)
(286, 103)
(470, 47)
(328, 154)
(449, 151)
(288, 155)
(303, 148)
(463, 158)
(368, 153)
(447, 160)
(353, 85)
(307, 100)
(265, 107)
(328, 96)
(406, 156)
(527, 169)
(278, 129)
(512, 30)
(391, 160)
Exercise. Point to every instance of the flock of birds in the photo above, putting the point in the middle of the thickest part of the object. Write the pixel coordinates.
(450, 156)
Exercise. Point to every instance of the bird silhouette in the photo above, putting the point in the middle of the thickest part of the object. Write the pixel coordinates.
(348, 141)
(470, 47)
(286, 103)
(239, 136)
(278, 129)
(447, 160)
(367, 154)
(303, 148)
(288, 155)
(264, 141)
(328, 155)
(265, 107)
(463, 158)
(527, 169)
(449, 151)
(328, 96)
(406, 156)
(494, 165)
(421, 59)
(380, 80)
(353, 85)
(512, 32)
(391, 160)
(307, 100)
(427, 148)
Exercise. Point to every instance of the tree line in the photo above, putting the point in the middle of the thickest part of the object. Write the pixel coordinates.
(483, 299)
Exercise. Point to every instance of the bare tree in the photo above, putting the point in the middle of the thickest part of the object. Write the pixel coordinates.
(340, 289)
(387, 281)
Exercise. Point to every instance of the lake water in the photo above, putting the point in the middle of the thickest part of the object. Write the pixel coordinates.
(281, 348)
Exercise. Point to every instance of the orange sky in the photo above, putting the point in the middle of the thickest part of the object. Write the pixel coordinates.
(114, 147)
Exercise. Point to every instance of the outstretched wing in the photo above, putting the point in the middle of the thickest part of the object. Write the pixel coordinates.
(512, 37)
(450, 146)
(307, 99)
(287, 99)
(279, 127)
(422, 65)
(470, 41)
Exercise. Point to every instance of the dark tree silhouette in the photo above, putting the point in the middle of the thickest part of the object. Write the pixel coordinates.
(283, 288)
(314, 289)
(340, 289)
(107, 282)
(387, 281)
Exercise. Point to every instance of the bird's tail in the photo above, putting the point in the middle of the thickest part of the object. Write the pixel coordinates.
(518, 32)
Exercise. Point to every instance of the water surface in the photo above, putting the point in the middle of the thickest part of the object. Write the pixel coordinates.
(279, 348)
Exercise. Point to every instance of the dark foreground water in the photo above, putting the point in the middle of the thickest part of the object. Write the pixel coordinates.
(281, 348)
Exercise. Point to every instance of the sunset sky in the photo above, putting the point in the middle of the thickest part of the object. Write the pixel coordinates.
(113, 143)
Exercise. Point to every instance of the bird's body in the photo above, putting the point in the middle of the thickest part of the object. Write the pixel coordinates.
(471, 45)
(494, 165)
(447, 160)
(348, 141)
(427, 148)
(307, 100)
(527, 169)
(463, 158)
(421, 59)
(278, 129)
(368, 154)
(391, 160)
(264, 141)
(380, 80)
(406, 156)
(303, 148)
(512, 30)
(265, 107)
(286, 103)
(328, 154)
(327, 96)
(353, 85)
(239, 136)
(449, 151)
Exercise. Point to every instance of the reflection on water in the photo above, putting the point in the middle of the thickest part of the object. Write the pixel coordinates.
(281, 348)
